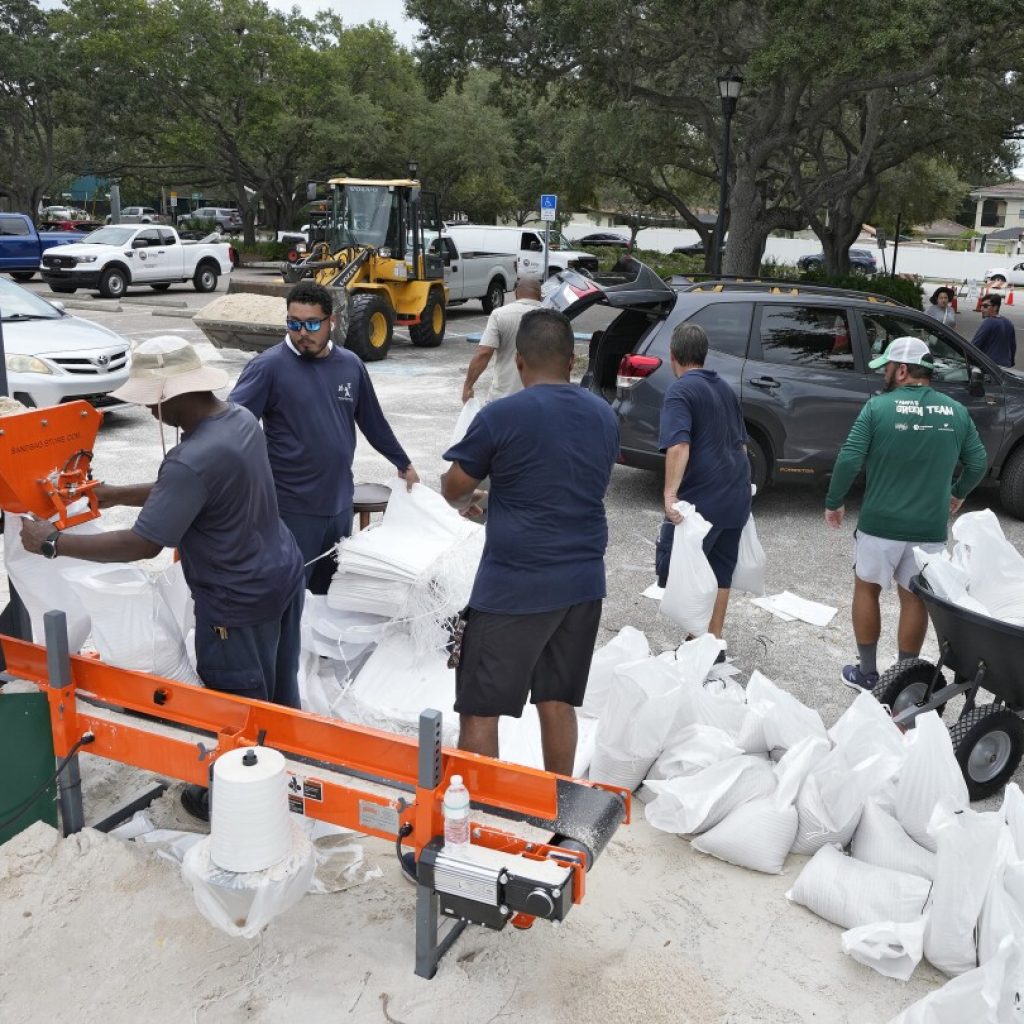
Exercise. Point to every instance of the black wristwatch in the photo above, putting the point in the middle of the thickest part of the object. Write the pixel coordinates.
(48, 549)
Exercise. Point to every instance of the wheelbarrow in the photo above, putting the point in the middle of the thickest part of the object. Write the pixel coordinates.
(984, 656)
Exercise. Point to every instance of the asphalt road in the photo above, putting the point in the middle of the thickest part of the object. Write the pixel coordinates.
(420, 392)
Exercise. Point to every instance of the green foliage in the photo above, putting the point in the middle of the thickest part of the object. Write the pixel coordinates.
(263, 252)
(197, 224)
(663, 264)
(905, 289)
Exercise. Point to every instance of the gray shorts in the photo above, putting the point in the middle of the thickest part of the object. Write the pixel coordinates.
(877, 560)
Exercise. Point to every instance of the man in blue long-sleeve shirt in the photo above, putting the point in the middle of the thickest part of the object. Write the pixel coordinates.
(310, 395)
(996, 336)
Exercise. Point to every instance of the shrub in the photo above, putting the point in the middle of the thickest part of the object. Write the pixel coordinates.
(663, 264)
(264, 252)
(905, 289)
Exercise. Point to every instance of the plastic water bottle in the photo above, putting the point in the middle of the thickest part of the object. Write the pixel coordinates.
(455, 809)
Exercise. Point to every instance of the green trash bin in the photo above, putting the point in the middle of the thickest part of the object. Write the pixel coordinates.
(26, 762)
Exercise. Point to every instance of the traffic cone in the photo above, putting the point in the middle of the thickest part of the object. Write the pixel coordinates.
(982, 292)
(1009, 297)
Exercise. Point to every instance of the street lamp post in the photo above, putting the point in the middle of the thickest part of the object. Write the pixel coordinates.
(729, 86)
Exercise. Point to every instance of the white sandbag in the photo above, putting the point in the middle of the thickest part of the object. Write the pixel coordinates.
(627, 645)
(692, 749)
(703, 706)
(41, 584)
(990, 994)
(851, 894)
(968, 848)
(995, 568)
(864, 729)
(929, 774)
(132, 625)
(694, 803)
(1001, 913)
(172, 586)
(691, 588)
(1013, 814)
(694, 658)
(757, 835)
(777, 718)
(880, 840)
(750, 563)
(641, 708)
(892, 948)
(466, 415)
(947, 579)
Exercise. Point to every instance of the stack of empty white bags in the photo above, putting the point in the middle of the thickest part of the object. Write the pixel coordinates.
(984, 574)
(753, 777)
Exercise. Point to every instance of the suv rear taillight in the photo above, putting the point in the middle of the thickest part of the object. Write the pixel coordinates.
(634, 369)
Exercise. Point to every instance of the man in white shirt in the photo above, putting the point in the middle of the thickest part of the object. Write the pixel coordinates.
(499, 338)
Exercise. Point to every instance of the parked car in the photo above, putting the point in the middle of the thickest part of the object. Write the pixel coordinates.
(798, 359)
(114, 257)
(227, 219)
(486, 276)
(603, 238)
(138, 215)
(22, 246)
(526, 243)
(1002, 276)
(53, 357)
(861, 260)
(51, 214)
(694, 249)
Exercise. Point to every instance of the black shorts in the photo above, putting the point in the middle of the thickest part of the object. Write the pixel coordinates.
(507, 658)
(722, 548)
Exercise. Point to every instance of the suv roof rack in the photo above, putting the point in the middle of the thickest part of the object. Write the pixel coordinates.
(779, 287)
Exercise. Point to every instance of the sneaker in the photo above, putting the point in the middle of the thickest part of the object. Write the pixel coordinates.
(196, 801)
(857, 680)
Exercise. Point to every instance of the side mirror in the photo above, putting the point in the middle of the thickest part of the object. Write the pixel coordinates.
(976, 388)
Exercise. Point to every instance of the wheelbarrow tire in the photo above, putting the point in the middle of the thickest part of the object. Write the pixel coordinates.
(905, 684)
(988, 742)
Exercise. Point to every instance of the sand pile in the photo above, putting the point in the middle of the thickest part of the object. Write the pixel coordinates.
(246, 308)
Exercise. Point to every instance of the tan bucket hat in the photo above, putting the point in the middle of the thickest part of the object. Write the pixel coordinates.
(165, 367)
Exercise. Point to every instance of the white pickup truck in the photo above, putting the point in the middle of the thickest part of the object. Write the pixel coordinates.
(487, 276)
(112, 259)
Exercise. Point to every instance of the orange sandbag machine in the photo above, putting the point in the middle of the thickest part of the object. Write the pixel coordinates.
(374, 782)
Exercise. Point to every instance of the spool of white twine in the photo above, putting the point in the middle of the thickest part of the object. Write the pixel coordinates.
(249, 816)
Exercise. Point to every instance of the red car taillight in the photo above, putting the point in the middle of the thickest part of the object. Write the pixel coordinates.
(634, 369)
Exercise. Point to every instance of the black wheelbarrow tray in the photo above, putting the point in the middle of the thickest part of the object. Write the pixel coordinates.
(985, 656)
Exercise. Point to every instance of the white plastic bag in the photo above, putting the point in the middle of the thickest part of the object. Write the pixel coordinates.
(880, 840)
(171, 584)
(627, 645)
(691, 588)
(865, 729)
(946, 579)
(1001, 914)
(777, 719)
(133, 627)
(990, 994)
(466, 415)
(692, 749)
(995, 568)
(851, 894)
(750, 563)
(757, 835)
(695, 658)
(694, 803)
(892, 948)
(41, 584)
(929, 774)
(968, 848)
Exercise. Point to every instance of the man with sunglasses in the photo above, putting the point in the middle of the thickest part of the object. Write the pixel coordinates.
(996, 336)
(311, 395)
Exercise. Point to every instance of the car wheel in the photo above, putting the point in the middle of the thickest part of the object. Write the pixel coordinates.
(758, 463)
(495, 296)
(998, 280)
(1011, 483)
(113, 283)
(205, 279)
(23, 275)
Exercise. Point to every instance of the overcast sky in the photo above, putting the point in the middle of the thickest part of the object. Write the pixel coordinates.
(352, 12)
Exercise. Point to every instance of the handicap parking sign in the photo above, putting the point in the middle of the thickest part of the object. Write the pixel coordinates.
(548, 207)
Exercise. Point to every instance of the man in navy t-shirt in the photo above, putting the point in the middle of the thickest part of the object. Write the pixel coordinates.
(996, 335)
(214, 501)
(705, 445)
(311, 395)
(536, 602)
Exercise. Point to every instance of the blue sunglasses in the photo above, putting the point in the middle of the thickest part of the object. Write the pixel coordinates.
(311, 325)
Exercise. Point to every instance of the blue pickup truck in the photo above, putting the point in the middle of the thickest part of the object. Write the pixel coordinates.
(22, 246)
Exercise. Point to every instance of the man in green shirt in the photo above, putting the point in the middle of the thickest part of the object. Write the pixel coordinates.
(908, 440)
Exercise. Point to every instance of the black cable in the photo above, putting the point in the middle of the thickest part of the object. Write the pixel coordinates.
(26, 805)
(405, 830)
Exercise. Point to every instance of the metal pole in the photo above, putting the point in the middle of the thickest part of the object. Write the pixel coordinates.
(547, 246)
(4, 387)
(58, 666)
(115, 204)
(896, 245)
(723, 195)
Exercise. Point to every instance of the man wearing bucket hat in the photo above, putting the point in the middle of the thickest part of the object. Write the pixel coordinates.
(908, 440)
(214, 501)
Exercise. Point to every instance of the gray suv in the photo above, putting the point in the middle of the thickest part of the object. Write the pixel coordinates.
(797, 357)
(226, 218)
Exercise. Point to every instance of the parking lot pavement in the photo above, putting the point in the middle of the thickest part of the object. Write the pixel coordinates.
(420, 390)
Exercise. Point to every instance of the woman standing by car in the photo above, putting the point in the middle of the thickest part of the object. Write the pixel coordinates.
(940, 306)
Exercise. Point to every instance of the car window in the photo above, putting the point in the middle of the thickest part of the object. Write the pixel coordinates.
(727, 325)
(531, 243)
(167, 238)
(13, 226)
(806, 336)
(951, 363)
(149, 237)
